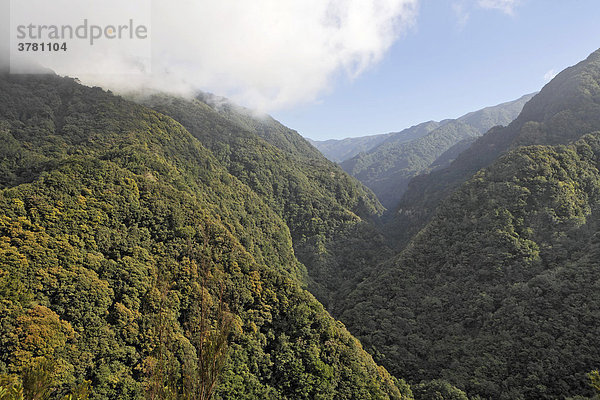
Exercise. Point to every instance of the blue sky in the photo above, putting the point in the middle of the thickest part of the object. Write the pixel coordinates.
(456, 58)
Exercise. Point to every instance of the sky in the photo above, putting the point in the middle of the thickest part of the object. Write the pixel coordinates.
(264, 54)
(327, 68)
(458, 57)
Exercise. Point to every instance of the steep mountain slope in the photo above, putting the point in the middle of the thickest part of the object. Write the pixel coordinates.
(345, 149)
(338, 150)
(565, 109)
(501, 114)
(119, 232)
(321, 204)
(269, 129)
(498, 294)
(388, 168)
(452, 153)
(482, 120)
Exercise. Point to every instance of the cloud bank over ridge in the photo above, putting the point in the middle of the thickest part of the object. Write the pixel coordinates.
(266, 54)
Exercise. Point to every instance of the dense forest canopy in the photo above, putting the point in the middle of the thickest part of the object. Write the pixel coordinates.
(119, 232)
(162, 247)
(323, 206)
(497, 293)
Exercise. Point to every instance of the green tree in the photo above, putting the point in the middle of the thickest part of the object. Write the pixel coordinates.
(437, 390)
(594, 377)
(208, 329)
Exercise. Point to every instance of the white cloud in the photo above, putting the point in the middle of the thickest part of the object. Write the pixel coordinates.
(506, 6)
(461, 11)
(548, 76)
(463, 8)
(266, 54)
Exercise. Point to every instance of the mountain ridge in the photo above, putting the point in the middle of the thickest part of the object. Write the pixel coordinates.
(388, 167)
(107, 198)
(494, 288)
(535, 124)
(339, 150)
(316, 198)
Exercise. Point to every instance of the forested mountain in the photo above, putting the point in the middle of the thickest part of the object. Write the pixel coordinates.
(131, 257)
(565, 109)
(345, 149)
(321, 204)
(165, 248)
(450, 155)
(266, 127)
(501, 114)
(499, 293)
(340, 150)
(388, 167)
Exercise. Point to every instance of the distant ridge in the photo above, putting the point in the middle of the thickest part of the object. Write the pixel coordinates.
(388, 167)
(496, 286)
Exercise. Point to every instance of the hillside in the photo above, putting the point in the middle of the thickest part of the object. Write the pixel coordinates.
(269, 129)
(338, 150)
(128, 252)
(345, 149)
(388, 167)
(501, 114)
(498, 293)
(564, 110)
(320, 203)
